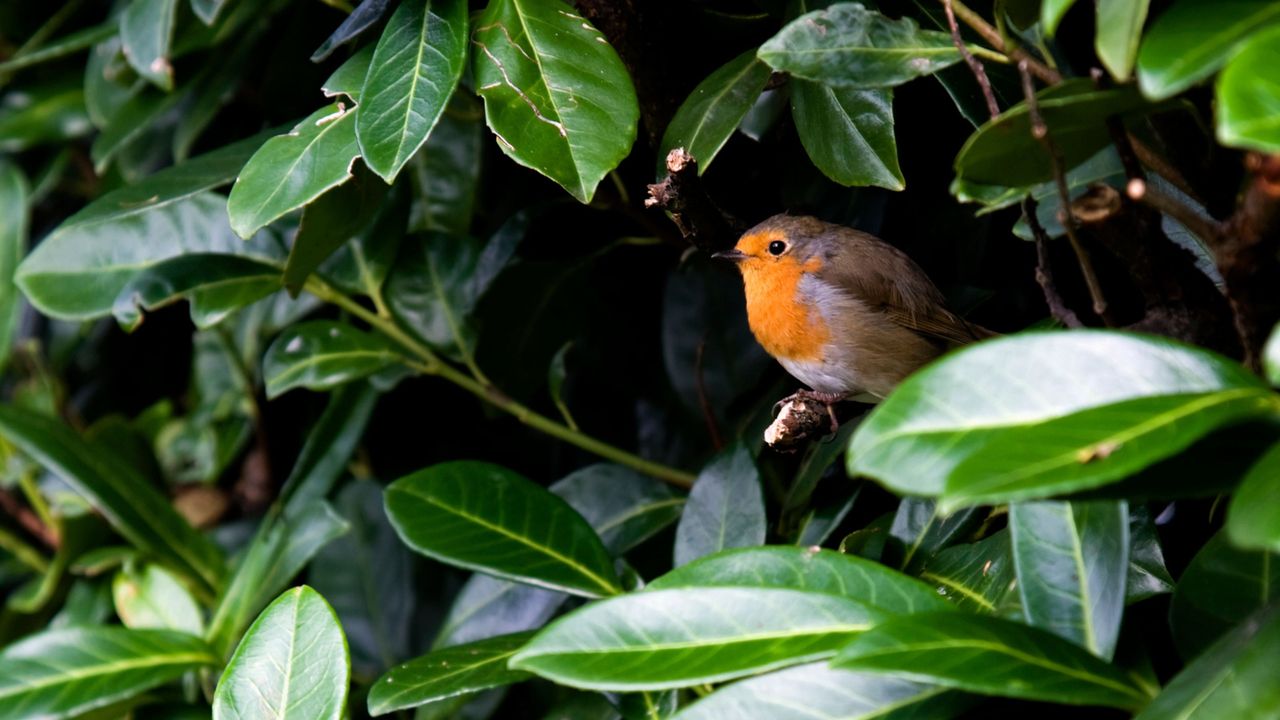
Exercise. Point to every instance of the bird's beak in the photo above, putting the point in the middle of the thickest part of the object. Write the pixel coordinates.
(733, 254)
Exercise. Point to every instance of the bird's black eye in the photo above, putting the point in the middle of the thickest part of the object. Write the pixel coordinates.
(777, 247)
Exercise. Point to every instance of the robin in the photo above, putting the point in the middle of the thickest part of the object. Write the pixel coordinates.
(844, 312)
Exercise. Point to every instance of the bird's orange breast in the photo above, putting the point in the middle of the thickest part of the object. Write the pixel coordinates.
(786, 325)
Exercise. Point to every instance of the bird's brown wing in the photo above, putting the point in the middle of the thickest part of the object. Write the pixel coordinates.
(884, 278)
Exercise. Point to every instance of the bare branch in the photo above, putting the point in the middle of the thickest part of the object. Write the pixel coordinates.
(974, 64)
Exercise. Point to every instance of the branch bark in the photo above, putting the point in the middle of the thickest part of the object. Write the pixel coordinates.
(701, 222)
(1246, 253)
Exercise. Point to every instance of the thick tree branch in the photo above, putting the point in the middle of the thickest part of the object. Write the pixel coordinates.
(681, 194)
(1247, 256)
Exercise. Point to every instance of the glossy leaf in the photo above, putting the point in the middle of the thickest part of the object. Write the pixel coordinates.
(64, 673)
(1253, 519)
(146, 29)
(1221, 586)
(848, 45)
(362, 263)
(556, 95)
(681, 637)
(1234, 678)
(487, 518)
(127, 128)
(414, 70)
(817, 690)
(923, 530)
(989, 656)
(624, 507)
(1072, 560)
(979, 577)
(291, 170)
(1193, 39)
(968, 430)
(80, 268)
(291, 664)
(823, 571)
(330, 221)
(1148, 575)
(848, 133)
(278, 552)
(45, 115)
(447, 673)
(1271, 358)
(367, 576)
(329, 446)
(446, 171)
(1051, 12)
(1248, 96)
(151, 597)
(486, 607)
(208, 10)
(348, 79)
(725, 508)
(322, 354)
(1119, 32)
(124, 497)
(214, 284)
(707, 118)
(1004, 152)
(14, 195)
(364, 16)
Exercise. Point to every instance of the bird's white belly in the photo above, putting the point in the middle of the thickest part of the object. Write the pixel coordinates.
(823, 376)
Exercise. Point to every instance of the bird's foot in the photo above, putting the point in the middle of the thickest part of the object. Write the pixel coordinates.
(827, 399)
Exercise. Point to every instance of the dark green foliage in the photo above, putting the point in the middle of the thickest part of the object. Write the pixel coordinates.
(439, 361)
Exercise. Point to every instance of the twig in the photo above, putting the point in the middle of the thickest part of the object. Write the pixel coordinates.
(1044, 272)
(992, 36)
(28, 520)
(428, 363)
(681, 194)
(1205, 228)
(1246, 254)
(974, 64)
(1040, 131)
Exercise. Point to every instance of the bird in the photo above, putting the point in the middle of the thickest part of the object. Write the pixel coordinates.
(843, 311)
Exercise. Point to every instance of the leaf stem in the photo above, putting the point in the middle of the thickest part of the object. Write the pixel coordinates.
(428, 363)
(22, 552)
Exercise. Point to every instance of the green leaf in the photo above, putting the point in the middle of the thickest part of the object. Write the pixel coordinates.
(486, 607)
(1193, 38)
(1248, 96)
(367, 577)
(816, 690)
(707, 118)
(1235, 678)
(1221, 586)
(330, 444)
(278, 552)
(848, 45)
(725, 507)
(624, 507)
(291, 664)
(133, 507)
(330, 221)
(1148, 575)
(361, 264)
(414, 70)
(1009, 419)
(1253, 519)
(77, 272)
(151, 597)
(144, 112)
(1072, 560)
(848, 133)
(1271, 357)
(689, 636)
(823, 571)
(1004, 152)
(989, 656)
(105, 86)
(486, 518)
(215, 284)
(923, 530)
(364, 16)
(1119, 31)
(64, 673)
(42, 116)
(323, 354)
(348, 79)
(447, 673)
(146, 30)
(446, 171)
(208, 10)
(979, 577)
(1051, 13)
(556, 94)
(291, 170)
(14, 195)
